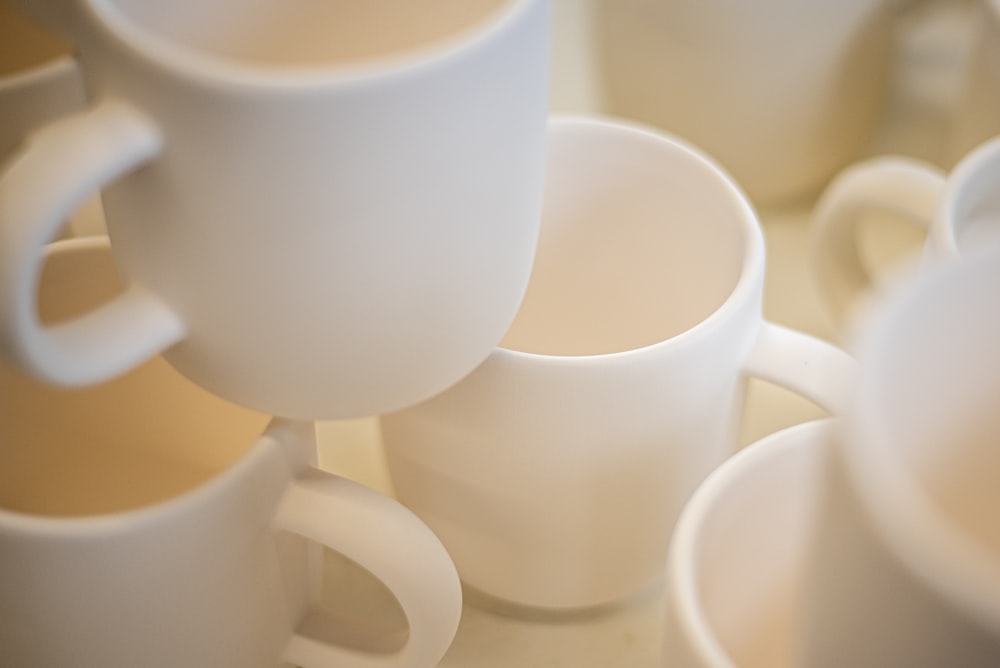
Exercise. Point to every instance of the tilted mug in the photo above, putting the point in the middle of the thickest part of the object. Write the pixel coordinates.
(303, 232)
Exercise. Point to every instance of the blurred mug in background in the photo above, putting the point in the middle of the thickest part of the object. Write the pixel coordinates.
(781, 93)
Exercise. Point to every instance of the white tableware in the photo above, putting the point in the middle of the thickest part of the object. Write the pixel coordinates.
(554, 472)
(960, 212)
(977, 116)
(905, 570)
(305, 231)
(781, 93)
(39, 82)
(738, 555)
(146, 522)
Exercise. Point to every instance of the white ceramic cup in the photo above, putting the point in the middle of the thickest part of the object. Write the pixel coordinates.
(977, 116)
(39, 82)
(905, 569)
(304, 231)
(959, 211)
(781, 93)
(554, 472)
(738, 555)
(146, 522)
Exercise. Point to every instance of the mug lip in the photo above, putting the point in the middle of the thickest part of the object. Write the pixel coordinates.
(752, 237)
(982, 162)
(53, 68)
(915, 530)
(200, 65)
(116, 521)
(682, 569)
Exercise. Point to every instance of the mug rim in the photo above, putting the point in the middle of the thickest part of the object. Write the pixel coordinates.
(41, 72)
(751, 272)
(980, 163)
(682, 568)
(914, 529)
(200, 65)
(188, 500)
(112, 522)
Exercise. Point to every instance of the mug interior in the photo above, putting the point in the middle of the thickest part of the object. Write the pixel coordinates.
(740, 550)
(928, 444)
(641, 239)
(314, 33)
(23, 44)
(137, 440)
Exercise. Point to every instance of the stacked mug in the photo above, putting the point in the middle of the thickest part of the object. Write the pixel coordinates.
(555, 319)
(309, 217)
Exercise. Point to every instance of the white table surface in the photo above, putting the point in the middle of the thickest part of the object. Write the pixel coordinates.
(932, 47)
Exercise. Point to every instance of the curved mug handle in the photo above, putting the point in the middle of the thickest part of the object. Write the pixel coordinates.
(804, 364)
(902, 187)
(56, 170)
(394, 545)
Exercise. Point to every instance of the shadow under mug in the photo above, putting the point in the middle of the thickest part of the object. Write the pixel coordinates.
(146, 522)
(303, 232)
(738, 555)
(554, 472)
(959, 211)
(905, 569)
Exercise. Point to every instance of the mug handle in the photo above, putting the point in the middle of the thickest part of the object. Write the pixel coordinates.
(901, 187)
(393, 544)
(804, 364)
(58, 168)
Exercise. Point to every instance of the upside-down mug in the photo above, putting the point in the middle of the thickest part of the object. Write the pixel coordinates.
(147, 522)
(319, 214)
(553, 473)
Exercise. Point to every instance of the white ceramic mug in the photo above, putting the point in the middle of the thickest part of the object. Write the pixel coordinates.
(781, 93)
(146, 522)
(553, 473)
(738, 555)
(905, 569)
(960, 212)
(319, 214)
(39, 82)
(977, 116)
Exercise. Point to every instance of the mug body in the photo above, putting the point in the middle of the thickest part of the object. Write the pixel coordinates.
(554, 472)
(977, 114)
(341, 235)
(781, 93)
(906, 568)
(135, 517)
